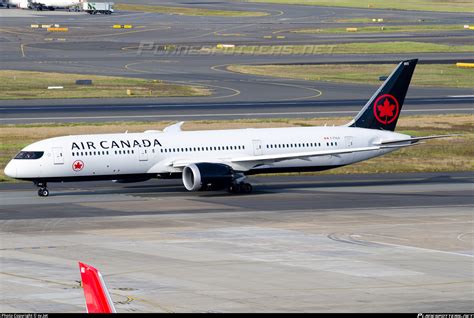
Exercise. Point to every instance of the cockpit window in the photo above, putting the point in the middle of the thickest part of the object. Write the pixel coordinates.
(29, 155)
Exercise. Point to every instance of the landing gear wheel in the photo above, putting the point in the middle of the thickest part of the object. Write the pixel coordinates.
(43, 192)
(246, 188)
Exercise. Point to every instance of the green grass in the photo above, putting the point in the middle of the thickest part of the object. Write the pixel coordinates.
(437, 75)
(425, 5)
(348, 48)
(389, 29)
(188, 11)
(451, 154)
(33, 85)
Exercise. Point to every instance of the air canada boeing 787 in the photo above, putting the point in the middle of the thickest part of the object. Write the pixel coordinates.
(221, 159)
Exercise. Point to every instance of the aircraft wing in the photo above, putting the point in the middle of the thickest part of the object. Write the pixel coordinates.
(277, 157)
(301, 155)
(267, 159)
(97, 296)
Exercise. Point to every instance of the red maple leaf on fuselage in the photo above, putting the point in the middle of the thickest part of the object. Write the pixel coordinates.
(78, 165)
(386, 110)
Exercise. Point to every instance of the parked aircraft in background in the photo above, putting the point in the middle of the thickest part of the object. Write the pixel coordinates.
(42, 4)
(216, 160)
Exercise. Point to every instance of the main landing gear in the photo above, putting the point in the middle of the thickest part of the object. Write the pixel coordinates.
(240, 186)
(42, 191)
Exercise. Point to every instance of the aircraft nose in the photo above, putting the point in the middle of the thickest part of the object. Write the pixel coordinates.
(10, 170)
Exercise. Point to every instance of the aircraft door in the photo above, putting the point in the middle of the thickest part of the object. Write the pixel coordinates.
(257, 147)
(349, 143)
(58, 156)
(143, 154)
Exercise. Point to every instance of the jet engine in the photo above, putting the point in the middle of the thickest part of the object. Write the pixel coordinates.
(207, 176)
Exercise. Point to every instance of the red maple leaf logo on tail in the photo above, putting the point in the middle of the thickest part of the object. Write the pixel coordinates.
(387, 111)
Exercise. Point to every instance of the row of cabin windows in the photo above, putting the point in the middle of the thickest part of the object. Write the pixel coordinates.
(125, 152)
(214, 148)
(101, 153)
(309, 144)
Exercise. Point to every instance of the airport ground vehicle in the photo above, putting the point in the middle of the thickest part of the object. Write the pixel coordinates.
(98, 7)
(43, 4)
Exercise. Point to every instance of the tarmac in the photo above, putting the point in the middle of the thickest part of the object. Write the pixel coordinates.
(92, 47)
(337, 243)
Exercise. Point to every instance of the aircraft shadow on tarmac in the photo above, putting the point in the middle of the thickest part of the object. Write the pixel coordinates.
(149, 190)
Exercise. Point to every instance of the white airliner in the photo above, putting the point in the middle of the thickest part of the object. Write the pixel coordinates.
(43, 4)
(221, 159)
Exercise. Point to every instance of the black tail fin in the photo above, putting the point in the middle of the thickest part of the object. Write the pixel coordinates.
(383, 108)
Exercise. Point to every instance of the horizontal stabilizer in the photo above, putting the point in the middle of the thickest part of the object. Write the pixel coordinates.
(413, 139)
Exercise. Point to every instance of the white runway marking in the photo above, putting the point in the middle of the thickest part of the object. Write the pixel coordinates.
(423, 249)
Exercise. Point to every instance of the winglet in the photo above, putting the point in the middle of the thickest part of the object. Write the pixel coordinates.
(174, 128)
(97, 296)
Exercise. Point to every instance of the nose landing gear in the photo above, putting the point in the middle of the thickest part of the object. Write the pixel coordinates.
(42, 191)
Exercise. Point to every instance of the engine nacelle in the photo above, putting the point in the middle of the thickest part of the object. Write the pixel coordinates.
(215, 176)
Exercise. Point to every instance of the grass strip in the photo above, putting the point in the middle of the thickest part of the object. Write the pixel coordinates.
(346, 48)
(34, 85)
(389, 29)
(424, 5)
(188, 11)
(429, 75)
